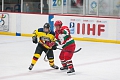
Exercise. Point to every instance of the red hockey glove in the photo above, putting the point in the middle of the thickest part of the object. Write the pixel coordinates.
(51, 44)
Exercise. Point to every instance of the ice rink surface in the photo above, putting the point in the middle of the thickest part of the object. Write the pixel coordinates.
(96, 61)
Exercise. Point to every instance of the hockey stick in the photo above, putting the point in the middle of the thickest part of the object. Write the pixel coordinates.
(69, 50)
(46, 55)
(63, 50)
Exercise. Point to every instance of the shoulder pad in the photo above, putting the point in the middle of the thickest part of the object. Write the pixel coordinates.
(64, 27)
(40, 30)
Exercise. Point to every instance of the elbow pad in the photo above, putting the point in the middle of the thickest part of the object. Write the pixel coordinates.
(34, 39)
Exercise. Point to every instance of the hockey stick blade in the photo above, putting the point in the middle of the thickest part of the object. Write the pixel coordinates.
(70, 51)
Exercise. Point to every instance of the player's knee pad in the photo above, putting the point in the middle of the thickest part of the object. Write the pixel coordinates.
(37, 55)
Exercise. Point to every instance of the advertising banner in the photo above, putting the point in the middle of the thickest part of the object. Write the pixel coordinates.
(105, 7)
(83, 26)
(88, 27)
(74, 24)
(56, 6)
(4, 22)
(69, 6)
(93, 4)
(102, 27)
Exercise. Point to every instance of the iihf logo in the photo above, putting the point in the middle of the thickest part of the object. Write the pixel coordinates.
(2, 19)
(72, 27)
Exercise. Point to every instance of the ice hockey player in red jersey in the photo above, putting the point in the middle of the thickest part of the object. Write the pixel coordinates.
(62, 34)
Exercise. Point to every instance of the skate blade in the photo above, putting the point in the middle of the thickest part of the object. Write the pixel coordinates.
(73, 73)
(54, 68)
(64, 70)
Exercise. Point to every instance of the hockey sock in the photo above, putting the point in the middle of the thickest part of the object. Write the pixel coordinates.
(51, 62)
(69, 64)
(35, 58)
(63, 62)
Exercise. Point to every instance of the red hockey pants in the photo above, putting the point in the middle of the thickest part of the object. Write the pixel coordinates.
(65, 54)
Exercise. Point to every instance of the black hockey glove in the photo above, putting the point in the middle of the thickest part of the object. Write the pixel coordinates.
(54, 47)
(34, 39)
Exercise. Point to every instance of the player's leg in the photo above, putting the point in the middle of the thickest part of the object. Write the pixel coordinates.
(69, 63)
(50, 57)
(68, 57)
(36, 56)
(63, 61)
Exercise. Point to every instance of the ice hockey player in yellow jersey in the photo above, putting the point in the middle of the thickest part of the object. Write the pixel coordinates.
(45, 43)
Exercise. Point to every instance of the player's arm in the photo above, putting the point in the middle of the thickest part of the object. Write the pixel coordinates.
(34, 37)
(65, 32)
(52, 42)
(57, 42)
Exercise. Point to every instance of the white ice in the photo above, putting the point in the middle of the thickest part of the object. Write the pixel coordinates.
(96, 61)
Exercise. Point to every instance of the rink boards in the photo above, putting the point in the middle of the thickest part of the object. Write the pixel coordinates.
(85, 28)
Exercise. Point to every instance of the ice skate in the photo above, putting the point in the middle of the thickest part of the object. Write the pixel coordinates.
(55, 67)
(64, 68)
(71, 71)
(31, 66)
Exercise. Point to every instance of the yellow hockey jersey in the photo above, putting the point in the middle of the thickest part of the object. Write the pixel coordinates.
(44, 37)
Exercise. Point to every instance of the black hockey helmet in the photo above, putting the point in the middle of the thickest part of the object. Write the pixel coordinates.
(46, 25)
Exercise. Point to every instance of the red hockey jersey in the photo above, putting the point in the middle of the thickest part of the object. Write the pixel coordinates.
(63, 36)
